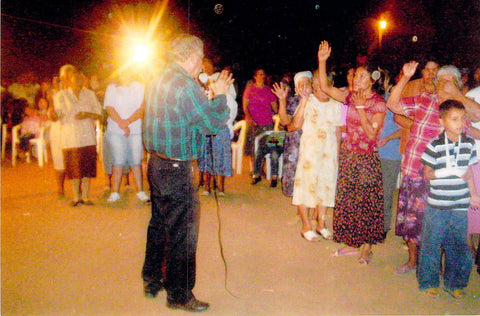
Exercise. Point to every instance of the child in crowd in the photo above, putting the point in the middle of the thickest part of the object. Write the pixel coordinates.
(31, 124)
(447, 160)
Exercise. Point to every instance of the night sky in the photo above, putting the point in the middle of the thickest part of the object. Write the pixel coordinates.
(279, 35)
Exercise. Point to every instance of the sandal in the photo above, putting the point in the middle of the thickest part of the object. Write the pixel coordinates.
(76, 203)
(326, 234)
(310, 235)
(342, 252)
(366, 260)
(458, 293)
(433, 292)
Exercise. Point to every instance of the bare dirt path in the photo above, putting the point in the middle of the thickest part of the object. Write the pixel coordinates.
(60, 260)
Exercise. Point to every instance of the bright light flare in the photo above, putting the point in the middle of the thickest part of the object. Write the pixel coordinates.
(383, 24)
(141, 53)
(138, 46)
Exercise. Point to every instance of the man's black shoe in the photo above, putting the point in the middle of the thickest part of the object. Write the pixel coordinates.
(273, 184)
(193, 305)
(256, 179)
(151, 289)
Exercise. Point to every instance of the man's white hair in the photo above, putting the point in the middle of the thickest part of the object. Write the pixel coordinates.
(183, 46)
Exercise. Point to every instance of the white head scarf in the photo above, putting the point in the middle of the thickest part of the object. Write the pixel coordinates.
(300, 75)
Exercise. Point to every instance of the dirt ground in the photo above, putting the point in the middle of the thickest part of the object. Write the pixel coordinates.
(60, 260)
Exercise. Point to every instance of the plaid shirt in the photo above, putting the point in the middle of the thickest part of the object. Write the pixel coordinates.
(426, 126)
(178, 115)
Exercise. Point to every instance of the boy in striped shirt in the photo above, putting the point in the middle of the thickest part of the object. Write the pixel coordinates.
(447, 161)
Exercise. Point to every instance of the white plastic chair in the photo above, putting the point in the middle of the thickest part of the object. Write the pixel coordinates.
(15, 142)
(238, 146)
(4, 139)
(268, 159)
(40, 145)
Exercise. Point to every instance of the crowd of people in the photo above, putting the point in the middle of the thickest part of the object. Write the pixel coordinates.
(438, 201)
(340, 148)
(69, 107)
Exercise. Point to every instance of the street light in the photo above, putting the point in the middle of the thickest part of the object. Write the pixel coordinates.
(382, 25)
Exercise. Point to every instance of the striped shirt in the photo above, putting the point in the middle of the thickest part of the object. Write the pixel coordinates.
(178, 115)
(449, 193)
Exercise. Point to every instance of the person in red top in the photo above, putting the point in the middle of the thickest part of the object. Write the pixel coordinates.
(358, 213)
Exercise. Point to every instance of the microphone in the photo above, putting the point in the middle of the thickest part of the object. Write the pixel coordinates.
(203, 77)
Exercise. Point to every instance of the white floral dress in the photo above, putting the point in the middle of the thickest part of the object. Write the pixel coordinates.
(316, 174)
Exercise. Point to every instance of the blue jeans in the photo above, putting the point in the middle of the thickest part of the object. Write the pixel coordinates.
(390, 170)
(447, 230)
(125, 150)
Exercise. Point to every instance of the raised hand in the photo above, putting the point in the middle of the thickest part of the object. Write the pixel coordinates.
(359, 98)
(409, 69)
(324, 51)
(280, 90)
(221, 85)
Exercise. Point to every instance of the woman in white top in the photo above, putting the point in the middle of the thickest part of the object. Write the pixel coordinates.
(124, 106)
(65, 76)
(77, 108)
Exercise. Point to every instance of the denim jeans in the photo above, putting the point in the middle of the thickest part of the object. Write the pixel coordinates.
(125, 150)
(445, 230)
(390, 170)
(173, 230)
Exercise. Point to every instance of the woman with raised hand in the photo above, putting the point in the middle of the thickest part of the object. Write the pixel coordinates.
(319, 117)
(358, 214)
(287, 110)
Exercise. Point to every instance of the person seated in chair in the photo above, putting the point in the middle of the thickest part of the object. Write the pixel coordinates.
(269, 144)
(31, 124)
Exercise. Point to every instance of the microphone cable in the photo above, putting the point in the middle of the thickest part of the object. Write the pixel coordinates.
(219, 231)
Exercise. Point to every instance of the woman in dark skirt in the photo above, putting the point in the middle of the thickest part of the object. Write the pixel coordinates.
(77, 108)
(358, 214)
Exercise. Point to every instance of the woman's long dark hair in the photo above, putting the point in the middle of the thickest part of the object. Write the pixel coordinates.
(380, 78)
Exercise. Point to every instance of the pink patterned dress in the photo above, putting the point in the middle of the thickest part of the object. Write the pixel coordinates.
(358, 213)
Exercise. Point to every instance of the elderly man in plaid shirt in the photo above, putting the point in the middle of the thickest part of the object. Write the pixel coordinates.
(178, 115)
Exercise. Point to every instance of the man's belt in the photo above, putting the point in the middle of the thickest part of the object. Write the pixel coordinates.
(165, 157)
